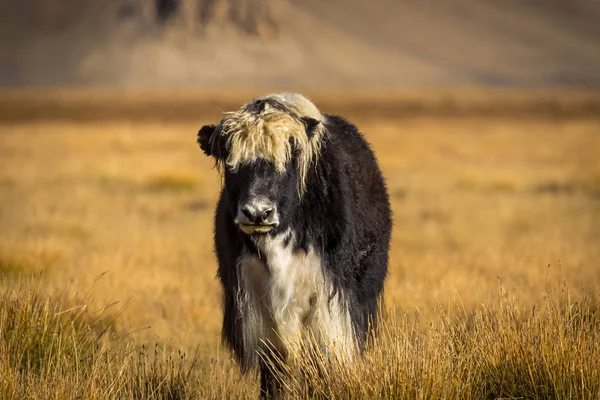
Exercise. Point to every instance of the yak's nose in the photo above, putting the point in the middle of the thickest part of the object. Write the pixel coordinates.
(257, 213)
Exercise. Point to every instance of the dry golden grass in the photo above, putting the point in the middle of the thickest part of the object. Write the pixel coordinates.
(123, 210)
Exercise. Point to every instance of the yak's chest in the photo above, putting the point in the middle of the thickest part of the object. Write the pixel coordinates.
(283, 285)
(284, 294)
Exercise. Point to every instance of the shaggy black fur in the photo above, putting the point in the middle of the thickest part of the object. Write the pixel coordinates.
(345, 215)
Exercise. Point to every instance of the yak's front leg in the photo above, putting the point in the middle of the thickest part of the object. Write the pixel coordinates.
(272, 371)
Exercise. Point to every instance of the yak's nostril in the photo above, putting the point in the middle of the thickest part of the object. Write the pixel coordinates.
(266, 214)
(248, 214)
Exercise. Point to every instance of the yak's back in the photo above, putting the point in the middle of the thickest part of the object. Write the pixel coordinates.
(356, 160)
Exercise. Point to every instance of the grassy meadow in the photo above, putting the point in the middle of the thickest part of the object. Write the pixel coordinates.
(107, 273)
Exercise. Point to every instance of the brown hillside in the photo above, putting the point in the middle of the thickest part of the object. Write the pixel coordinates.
(300, 43)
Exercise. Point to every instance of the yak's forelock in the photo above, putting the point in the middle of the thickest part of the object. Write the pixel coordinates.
(274, 128)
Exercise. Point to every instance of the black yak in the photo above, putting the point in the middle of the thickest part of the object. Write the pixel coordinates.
(302, 230)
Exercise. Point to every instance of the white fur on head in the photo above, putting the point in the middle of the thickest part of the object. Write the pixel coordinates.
(268, 134)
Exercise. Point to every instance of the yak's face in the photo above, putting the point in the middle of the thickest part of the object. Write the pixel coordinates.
(260, 197)
(264, 151)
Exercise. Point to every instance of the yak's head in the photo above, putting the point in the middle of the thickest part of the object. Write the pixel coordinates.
(264, 151)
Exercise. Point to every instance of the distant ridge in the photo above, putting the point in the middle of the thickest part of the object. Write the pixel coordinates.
(94, 105)
(335, 44)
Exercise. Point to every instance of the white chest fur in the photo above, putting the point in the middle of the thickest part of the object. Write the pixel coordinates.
(286, 295)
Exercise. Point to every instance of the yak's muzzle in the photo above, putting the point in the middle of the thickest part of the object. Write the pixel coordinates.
(257, 216)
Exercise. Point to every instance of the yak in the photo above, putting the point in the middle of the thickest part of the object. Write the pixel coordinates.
(302, 231)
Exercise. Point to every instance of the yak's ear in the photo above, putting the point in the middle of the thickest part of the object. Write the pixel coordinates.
(204, 135)
(310, 125)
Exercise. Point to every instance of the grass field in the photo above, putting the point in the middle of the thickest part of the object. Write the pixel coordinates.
(493, 218)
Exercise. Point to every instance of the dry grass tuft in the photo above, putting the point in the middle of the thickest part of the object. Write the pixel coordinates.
(173, 182)
(50, 348)
(113, 183)
(589, 187)
(15, 264)
(11, 266)
(500, 350)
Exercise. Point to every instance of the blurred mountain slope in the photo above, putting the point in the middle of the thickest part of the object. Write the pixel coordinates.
(300, 43)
